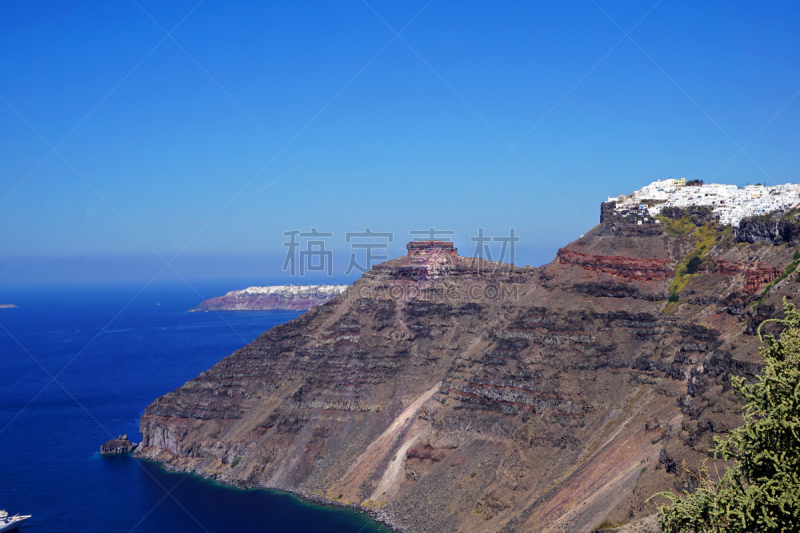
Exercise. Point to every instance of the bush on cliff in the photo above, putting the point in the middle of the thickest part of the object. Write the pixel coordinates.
(761, 491)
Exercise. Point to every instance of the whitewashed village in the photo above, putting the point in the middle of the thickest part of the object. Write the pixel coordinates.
(730, 203)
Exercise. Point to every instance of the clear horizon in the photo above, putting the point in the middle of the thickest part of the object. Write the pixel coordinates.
(137, 132)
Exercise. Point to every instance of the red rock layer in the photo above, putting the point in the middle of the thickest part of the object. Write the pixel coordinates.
(627, 267)
(756, 276)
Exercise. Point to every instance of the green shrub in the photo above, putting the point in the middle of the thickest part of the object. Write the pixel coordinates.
(235, 462)
(679, 226)
(761, 491)
(705, 238)
(693, 264)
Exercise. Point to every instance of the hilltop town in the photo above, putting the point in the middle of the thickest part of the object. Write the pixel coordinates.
(273, 298)
(730, 203)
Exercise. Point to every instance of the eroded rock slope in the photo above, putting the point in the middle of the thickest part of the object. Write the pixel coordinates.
(453, 394)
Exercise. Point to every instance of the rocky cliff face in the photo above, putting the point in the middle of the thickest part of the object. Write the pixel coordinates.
(454, 394)
(773, 229)
(630, 268)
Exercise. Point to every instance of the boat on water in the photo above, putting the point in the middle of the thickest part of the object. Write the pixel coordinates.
(11, 523)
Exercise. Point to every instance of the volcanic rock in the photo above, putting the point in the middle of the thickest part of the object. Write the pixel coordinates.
(772, 229)
(119, 445)
(446, 393)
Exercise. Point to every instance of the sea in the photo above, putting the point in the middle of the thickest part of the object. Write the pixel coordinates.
(78, 365)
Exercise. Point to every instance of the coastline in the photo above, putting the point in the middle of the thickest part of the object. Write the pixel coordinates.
(315, 499)
(236, 309)
(272, 298)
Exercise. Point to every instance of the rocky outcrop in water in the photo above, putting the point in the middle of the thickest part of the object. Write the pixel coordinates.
(446, 393)
(119, 445)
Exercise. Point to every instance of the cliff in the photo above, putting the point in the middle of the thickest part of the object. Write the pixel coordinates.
(278, 297)
(453, 394)
(776, 228)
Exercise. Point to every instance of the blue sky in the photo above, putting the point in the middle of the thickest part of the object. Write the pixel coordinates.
(174, 144)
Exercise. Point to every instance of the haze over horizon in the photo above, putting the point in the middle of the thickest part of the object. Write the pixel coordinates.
(134, 132)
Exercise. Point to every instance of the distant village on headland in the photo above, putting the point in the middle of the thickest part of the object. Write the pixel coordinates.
(730, 203)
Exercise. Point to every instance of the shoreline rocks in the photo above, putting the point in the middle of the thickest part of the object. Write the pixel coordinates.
(119, 445)
(376, 514)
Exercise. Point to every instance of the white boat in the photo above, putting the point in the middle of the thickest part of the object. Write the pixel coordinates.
(11, 523)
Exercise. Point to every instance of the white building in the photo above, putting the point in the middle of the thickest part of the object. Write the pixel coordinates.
(729, 202)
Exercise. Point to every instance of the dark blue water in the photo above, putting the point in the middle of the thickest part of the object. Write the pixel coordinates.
(50, 431)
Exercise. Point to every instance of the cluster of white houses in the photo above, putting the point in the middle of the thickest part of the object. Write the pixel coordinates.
(730, 203)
